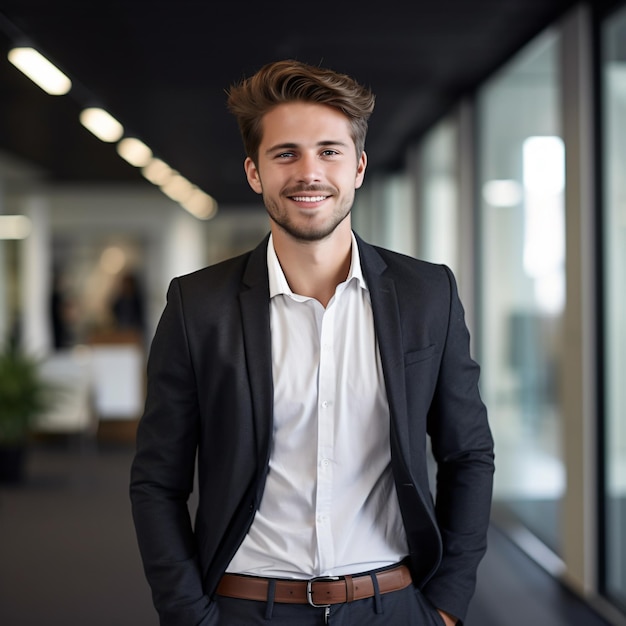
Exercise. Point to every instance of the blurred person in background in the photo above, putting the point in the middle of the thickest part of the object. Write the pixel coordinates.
(127, 306)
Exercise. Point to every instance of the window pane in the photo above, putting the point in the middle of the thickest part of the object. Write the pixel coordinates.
(614, 76)
(522, 278)
(439, 195)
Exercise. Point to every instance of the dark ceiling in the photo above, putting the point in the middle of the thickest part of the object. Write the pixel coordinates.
(161, 68)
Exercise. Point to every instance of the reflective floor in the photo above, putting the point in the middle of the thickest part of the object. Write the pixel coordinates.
(68, 555)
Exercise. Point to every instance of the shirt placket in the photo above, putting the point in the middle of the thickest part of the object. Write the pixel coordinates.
(327, 393)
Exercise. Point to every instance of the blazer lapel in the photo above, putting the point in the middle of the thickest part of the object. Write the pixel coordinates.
(255, 317)
(388, 330)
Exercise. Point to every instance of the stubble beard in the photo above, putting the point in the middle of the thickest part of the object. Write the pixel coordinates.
(307, 231)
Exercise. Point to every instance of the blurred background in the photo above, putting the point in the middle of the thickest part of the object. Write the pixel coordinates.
(497, 147)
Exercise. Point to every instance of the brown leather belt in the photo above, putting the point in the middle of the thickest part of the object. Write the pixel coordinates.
(319, 592)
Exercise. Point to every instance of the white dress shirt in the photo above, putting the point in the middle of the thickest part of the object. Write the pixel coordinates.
(329, 505)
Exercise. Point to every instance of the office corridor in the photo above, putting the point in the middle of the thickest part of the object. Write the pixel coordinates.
(68, 555)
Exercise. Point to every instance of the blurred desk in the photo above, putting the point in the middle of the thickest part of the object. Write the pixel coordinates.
(102, 387)
(118, 364)
(69, 371)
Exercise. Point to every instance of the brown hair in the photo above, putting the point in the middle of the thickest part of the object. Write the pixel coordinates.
(287, 81)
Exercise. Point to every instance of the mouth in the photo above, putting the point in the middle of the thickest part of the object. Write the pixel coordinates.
(308, 199)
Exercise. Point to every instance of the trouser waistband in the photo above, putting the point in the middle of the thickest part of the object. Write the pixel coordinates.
(319, 592)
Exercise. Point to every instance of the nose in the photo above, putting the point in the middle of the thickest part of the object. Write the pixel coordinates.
(308, 168)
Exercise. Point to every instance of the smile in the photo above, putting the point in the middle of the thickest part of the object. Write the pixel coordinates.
(308, 198)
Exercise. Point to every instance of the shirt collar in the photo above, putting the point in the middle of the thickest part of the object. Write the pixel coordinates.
(279, 284)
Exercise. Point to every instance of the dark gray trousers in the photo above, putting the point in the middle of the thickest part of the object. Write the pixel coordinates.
(407, 607)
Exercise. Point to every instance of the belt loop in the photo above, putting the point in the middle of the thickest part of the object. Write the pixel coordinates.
(269, 607)
(349, 588)
(377, 599)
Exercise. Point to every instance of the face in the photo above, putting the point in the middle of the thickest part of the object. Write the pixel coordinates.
(307, 169)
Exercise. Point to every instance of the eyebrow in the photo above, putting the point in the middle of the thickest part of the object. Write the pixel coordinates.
(293, 146)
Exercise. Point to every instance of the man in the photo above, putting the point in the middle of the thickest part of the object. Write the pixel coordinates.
(306, 375)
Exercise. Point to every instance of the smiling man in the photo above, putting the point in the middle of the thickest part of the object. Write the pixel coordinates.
(307, 376)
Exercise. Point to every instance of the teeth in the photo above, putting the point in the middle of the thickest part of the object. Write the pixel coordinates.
(308, 198)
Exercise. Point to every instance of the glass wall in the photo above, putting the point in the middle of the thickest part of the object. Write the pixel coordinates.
(614, 115)
(438, 197)
(522, 283)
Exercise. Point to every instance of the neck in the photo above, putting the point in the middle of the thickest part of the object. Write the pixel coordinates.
(315, 268)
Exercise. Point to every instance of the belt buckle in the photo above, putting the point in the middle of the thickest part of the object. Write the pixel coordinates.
(309, 589)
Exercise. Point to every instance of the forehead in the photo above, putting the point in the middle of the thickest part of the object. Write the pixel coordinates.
(304, 122)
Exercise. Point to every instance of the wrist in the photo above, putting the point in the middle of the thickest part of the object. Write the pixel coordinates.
(448, 620)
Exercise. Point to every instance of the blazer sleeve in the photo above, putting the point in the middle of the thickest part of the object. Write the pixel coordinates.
(162, 475)
(463, 449)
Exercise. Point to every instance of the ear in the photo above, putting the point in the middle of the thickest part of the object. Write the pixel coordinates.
(252, 174)
(360, 170)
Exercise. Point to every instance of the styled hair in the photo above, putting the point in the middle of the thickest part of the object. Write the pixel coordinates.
(289, 81)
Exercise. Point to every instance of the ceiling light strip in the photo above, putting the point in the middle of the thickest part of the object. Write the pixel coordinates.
(40, 70)
(106, 128)
(102, 124)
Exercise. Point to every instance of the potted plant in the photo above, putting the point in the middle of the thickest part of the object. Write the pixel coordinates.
(23, 396)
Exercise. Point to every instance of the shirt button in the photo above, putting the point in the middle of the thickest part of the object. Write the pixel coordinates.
(325, 462)
(325, 404)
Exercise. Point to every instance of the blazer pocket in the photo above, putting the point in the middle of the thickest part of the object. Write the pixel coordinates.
(415, 356)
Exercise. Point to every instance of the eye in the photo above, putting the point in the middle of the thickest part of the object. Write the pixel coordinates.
(284, 155)
(329, 152)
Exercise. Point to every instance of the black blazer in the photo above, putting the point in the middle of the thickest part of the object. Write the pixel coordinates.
(210, 391)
